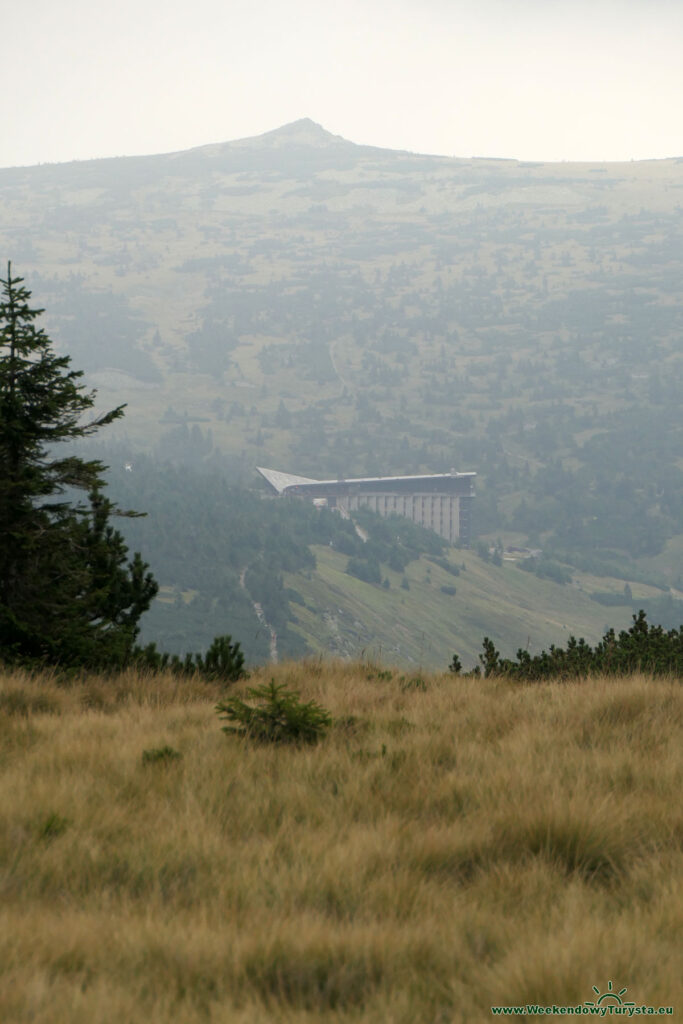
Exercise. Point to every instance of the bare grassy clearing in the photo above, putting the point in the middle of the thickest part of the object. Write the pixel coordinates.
(444, 849)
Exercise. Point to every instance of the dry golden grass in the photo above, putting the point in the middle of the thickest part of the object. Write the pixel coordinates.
(444, 849)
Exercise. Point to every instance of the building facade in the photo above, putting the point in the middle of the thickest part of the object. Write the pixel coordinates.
(441, 501)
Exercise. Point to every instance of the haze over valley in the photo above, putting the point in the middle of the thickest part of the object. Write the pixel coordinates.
(297, 301)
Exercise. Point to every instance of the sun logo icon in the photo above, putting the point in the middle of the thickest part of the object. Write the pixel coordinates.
(610, 997)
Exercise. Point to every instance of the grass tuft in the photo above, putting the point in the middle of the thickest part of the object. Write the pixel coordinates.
(52, 826)
(161, 755)
(25, 703)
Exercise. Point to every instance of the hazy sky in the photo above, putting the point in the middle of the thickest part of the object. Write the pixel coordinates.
(533, 79)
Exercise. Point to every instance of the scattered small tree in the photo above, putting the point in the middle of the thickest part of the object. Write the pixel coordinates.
(366, 569)
(279, 716)
(455, 666)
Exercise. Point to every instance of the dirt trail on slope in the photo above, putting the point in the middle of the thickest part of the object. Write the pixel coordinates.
(262, 619)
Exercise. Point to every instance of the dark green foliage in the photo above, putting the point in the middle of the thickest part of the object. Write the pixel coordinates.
(447, 566)
(279, 716)
(366, 569)
(448, 589)
(396, 541)
(490, 658)
(203, 532)
(161, 755)
(67, 596)
(546, 569)
(483, 551)
(223, 662)
(348, 544)
(642, 648)
(413, 683)
(265, 584)
(398, 559)
(381, 674)
(455, 666)
(52, 826)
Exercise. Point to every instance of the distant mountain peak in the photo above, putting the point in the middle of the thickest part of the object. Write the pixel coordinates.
(304, 132)
(304, 127)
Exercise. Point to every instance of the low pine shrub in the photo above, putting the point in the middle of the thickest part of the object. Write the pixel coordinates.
(278, 716)
(160, 755)
(642, 648)
(223, 662)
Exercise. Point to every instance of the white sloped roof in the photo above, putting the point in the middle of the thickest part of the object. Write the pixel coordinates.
(280, 481)
(388, 479)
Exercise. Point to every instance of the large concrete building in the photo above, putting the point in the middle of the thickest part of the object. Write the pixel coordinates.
(441, 501)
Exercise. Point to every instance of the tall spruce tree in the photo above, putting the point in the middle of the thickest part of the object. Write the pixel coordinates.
(68, 596)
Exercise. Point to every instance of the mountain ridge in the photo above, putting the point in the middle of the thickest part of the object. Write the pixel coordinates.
(303, 133)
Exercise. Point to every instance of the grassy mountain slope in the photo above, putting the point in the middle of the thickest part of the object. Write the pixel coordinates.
(217, 550)
(422, 626)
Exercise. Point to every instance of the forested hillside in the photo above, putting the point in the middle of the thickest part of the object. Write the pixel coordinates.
(381, 588)
(329, 309)
(219, 548)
